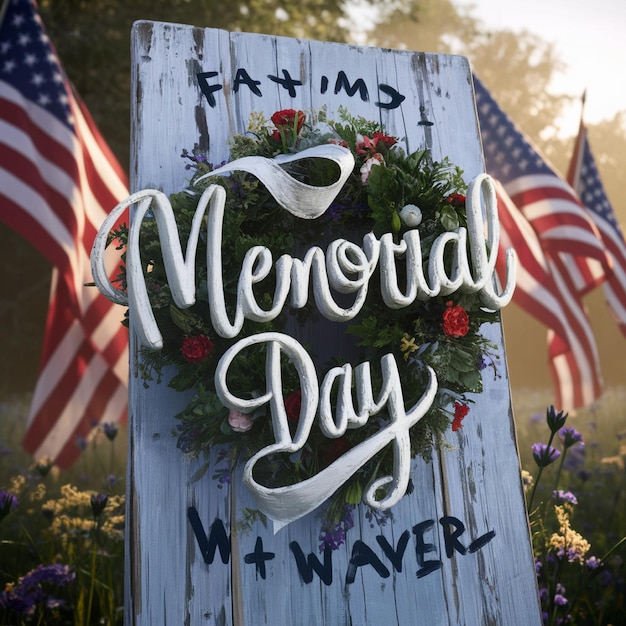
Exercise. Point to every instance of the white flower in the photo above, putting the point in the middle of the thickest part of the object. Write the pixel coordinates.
(411, 215)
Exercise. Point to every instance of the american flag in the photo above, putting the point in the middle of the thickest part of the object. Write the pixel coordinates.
(584, 177)
(561, 255)
(57, 181)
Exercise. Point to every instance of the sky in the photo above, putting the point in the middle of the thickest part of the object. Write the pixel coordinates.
(588, 36)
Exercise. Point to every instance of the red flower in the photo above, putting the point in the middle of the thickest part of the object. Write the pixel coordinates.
(455, 320)
(387, 140)
(456, 199)
(460, 411)
(287, 119)
(293, 402)
(197, 348)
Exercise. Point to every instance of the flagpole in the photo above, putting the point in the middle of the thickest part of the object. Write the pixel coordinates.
(4, 5)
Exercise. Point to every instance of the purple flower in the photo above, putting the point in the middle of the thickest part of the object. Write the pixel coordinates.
(570, 437)
(555, 420)
(575, 458)
(56, 574)
(23, 597)
(560, 600)
(565, 496)
(81, 443)
(98, 503)
(110, 430)
(544, 454)
(8, 503)
(333, 535)
(593, 562)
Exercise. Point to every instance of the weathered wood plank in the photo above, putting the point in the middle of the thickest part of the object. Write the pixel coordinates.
(476, 482)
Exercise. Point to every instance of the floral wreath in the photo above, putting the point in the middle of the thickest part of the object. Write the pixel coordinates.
(388, 191)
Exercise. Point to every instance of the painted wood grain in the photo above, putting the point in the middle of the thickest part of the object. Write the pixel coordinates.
(418, 567)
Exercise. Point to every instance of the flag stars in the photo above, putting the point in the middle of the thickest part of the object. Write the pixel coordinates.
(37, 80)
(24, 40)
(30, 59)
(8, 66)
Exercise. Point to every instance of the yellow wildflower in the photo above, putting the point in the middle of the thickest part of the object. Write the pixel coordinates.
(38, 493)
(407, 345)
(568, 543)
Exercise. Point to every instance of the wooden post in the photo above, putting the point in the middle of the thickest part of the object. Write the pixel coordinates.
(457, 551)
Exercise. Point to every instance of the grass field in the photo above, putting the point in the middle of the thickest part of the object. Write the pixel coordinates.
(61, 550)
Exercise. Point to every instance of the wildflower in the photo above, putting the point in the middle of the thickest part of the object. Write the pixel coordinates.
(565, 496)
(560, 600)
(43, 466)
(460, 411)
(455, 320)
(196, 348)
(239, 422)
(98, 503)
(81, 443)
(8, 503)
(555, 420)
(23, 597)
(570, 437)
(411, 215)
(110, 430)
(593, 562)
(575, 458)
(544, 454)
(527, 480)
(567, 542)
(333, 534)
(407, 345)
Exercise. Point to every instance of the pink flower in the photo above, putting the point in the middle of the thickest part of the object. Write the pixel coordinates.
(238, 421)
(366, 168)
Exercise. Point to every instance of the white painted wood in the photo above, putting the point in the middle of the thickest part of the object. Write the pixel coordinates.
(476, 482)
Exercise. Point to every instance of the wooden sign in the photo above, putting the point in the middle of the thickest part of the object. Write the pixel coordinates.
(455, 549)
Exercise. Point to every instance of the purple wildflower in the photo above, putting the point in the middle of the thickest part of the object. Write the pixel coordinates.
(81, 443)
(570, 437)
(110, 430)
(111, 481)
(222, 474)
(575, 458)
(8, 503)
(555, 420)
(565, 496)
(333, 534)
(98, 503)
(29, 592)
(593, 562)
(560, 600)
(544, 454)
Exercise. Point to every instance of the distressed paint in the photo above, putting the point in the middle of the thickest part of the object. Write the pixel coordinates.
(476, 483)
